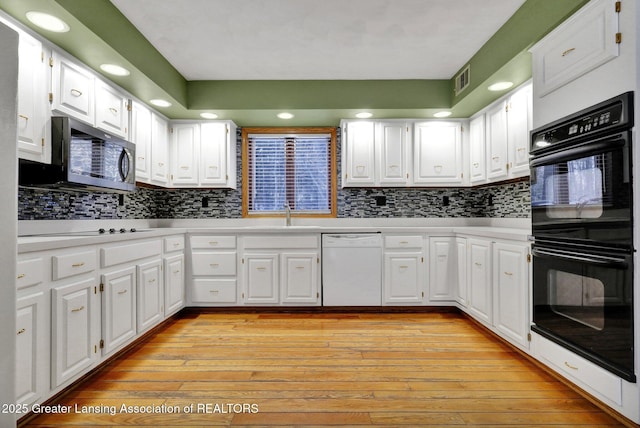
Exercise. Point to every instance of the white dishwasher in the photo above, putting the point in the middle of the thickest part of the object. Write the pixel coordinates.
(352, 269)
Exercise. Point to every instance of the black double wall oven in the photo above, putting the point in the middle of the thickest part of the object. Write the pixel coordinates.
(582, 224)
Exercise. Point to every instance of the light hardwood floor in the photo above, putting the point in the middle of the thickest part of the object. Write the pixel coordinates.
(292, 369)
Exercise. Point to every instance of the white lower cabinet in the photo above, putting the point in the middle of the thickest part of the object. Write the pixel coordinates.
(214, 271)
(260, 275)
(75, 330)
(510, 291)
(442, 269)
(150, 295)
(32, 347)
(462, 289)
(280, 270)
(118, 308)
(404, 279)
(479, 279)
(174, 284)
(299, 278)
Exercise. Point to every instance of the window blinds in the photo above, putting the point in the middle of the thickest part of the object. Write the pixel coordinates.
(287, 169)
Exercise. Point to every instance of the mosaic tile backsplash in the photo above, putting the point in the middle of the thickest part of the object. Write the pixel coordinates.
(502, 200)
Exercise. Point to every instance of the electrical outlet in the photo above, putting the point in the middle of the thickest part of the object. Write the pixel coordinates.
(205, 202)
(445, 200)
(381, 201)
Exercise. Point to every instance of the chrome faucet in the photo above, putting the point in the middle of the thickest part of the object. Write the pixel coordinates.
(287, 214)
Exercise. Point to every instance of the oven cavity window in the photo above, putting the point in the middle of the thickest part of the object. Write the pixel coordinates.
(578, 298)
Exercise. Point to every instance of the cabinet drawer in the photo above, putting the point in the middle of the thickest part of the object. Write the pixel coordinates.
(214, 291)
(112, 256)
(209, 242)
(414, 241)
(578, 369)
(214, 263)
(29, 273)
(73, 264)
(173, 243)
(269, 242)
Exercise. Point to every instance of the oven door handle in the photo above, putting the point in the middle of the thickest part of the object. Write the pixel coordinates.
(603, 261)
(599, 146)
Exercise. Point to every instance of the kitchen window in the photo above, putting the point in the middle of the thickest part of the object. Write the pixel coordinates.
(292, 167)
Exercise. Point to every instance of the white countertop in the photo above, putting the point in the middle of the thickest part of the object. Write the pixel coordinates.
(48, 235)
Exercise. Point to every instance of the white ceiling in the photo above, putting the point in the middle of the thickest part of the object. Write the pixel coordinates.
(317, 39)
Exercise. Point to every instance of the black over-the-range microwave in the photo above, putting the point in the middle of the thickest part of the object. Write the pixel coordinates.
(82, 158)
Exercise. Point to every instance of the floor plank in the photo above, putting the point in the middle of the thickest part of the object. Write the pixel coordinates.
(330, 369)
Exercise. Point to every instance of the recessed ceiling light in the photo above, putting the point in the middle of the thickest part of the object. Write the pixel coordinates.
(160, 103)
(364, 115)
(442, 114)
(115, 70)
(285, 115)
(47, 22)
(208, 115)
(500, 86)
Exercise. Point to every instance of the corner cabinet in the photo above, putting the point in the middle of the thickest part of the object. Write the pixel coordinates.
(442, 269)
(437, 153)
(479, 279)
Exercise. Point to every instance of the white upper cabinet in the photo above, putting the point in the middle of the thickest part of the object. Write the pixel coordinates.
(585, 41)
(358, 162)
(392, 143)
(34, 133)
(112, 110)
(203, 154)
(185, 142)
(218, 154)
(437, 153)
(141, 137)
(477, 153)
(72, 89)
(508, 123)
(159, 150)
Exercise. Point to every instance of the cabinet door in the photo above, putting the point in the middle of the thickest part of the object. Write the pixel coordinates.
(260, 275)
(442, 269)
(477, 155)
(118, 308)
(73, 342)
(497, 155)
(479, 280)
(141, 137)
(518, 128)
(32, 350)
(403, 277)
(73, 89)
(359, 154)
(159, 150)
(34, 135)
(214, 142)
(174, 284)
(299, 277)
(392, 153)
(185, 141)
(462, 289)
(112, 110)
(437, 153)
(511, 291)
(150, 295)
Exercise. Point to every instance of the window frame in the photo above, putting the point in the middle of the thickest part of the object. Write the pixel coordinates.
(333, 175)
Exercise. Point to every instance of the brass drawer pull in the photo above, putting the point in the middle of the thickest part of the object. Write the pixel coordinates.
(568, 51)
(78, 309)
(22, 275)
(508, 273)
(570, 366)
(113, 110)
(22, 330)
(22, 116)
(76, 93)
(122, 292)
(80, 264)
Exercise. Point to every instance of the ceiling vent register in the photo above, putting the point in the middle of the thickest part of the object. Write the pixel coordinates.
(462, 80)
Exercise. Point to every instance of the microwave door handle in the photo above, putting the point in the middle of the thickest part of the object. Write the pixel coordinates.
(609, 262)
(123, 165)
(599, 146)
